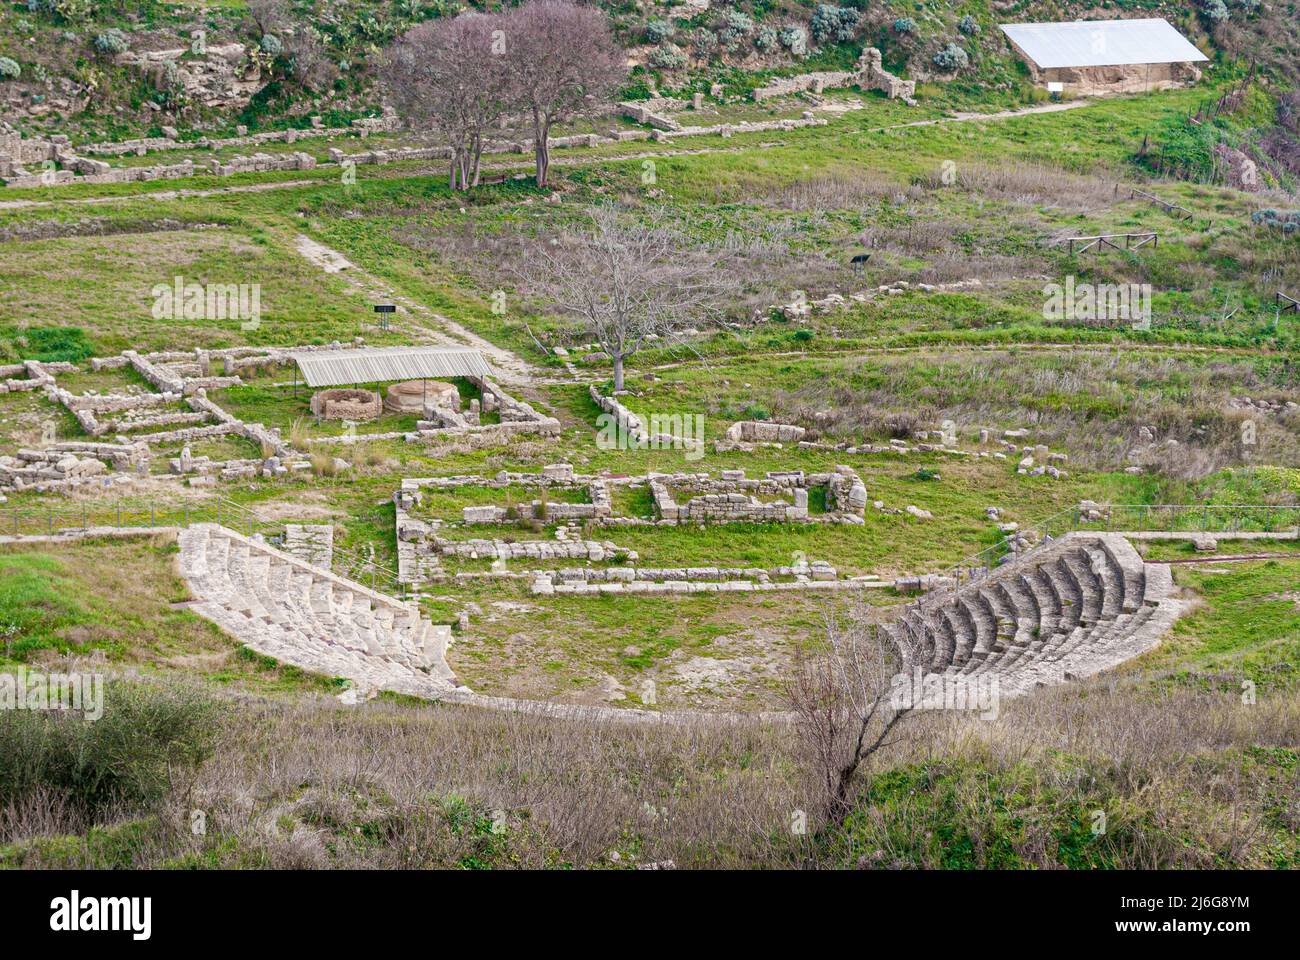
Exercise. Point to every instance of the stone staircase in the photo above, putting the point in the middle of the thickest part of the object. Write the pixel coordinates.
(1084, 603)
(300, 614)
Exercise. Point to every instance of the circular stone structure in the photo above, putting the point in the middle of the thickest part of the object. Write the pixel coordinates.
(346, 403)
(412, 396)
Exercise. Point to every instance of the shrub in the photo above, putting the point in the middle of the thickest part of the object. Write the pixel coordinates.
(658, 31)
(905, 25)
(1288, 221)
(24, 25)
(324, 465)
(767, 39)
(795, 40)
(832, 23)
(1216, 11)
(271, 44)
(968, 25)
(70, 10)
(9, 69)
(705, 42)
(951, 59)
(126, 758)
(736, 26)
(667, 58)
(111, 42)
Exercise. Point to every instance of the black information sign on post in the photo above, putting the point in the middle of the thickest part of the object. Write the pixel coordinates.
(384, 309)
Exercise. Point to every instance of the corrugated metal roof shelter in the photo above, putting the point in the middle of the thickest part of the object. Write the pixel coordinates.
(1102, 43)
(336, 368)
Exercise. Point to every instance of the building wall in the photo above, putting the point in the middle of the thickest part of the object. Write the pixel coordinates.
(1098, 81)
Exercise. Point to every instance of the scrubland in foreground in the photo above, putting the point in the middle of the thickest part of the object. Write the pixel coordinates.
(1104, 775)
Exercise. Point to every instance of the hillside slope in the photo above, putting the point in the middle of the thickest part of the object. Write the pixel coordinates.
(123, 68)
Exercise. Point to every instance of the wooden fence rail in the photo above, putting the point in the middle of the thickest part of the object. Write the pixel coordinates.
(1180, 213)
(1132, 241)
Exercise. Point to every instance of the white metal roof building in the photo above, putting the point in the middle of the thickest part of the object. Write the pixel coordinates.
(335, 368)
(1097, 56)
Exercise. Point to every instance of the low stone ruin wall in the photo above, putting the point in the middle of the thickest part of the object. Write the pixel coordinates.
(870, 74)
(736, 499)
(38, 468)
(651, 114)
(744, 126)
(345, 403)
(629, 424)
(261, 163)
(806, 82)
(95, 171)
(763, 431)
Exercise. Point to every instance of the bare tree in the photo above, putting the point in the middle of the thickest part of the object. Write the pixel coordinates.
(842, 701)
(451, 74)
(623, 279)
(564, 62)
(269, 16)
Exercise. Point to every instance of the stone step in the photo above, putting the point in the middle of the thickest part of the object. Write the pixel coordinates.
(1066, 610)
(284, 608)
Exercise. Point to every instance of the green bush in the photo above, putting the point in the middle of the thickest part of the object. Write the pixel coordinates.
(705, 43)
(1288, 221)
(905, 25)
(9, 69)
(125, 759)
(832, 23)
(736, 26)
(795, 39)
(111, 42)
(658, 31)
(968, 25)
(1215, 11)
(667, 58)
(951, 59)
(67, 10)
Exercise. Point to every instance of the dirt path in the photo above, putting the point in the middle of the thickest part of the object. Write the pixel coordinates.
(962, 117)
(161, 195)
(947, 350)
(414, 319)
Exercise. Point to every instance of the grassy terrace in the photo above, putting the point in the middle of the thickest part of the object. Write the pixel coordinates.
(982, 356)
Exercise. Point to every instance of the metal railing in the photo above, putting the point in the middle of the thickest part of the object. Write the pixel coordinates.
(30, 521)
(35, 521)
(365, 570)
(979, 565)
(1194, 518)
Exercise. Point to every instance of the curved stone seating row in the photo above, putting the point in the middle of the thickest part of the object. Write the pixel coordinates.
(306, 616)
(1080, 605)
